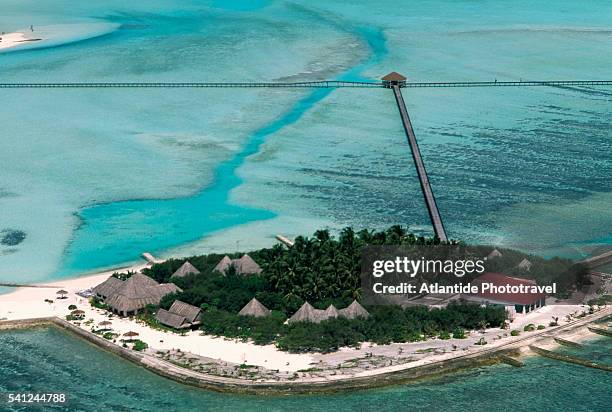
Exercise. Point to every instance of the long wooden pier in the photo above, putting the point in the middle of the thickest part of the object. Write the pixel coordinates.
(315, 84)
(394, 81)
(430, 200)
(325, 84)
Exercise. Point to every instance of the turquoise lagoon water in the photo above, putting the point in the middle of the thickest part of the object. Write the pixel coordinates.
(97, 177)
(96, 380)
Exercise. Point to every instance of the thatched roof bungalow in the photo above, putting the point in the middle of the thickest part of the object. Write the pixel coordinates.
(244, 266)
(134, 293)
(189, 312)
(494, 253)
(331, 312)
(307, 313)
(108, 287)
(525, 265)
(180, 315)
(171, 319)
(223, 264)
(254, 308)
(353, 311)
(185, 269)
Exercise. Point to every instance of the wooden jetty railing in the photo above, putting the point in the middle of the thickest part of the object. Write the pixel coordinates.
(430, 201)
(313, 84)
(527, 83)
(95, 85)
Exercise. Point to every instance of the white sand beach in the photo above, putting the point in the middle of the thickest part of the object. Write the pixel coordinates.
(26, 303)
(18, 38)
(39, 36)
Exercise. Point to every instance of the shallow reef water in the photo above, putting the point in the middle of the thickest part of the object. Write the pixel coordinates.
(96, 177)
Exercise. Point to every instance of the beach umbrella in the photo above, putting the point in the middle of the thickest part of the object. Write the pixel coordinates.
(105, 324)
(130, 335)
(62, 293)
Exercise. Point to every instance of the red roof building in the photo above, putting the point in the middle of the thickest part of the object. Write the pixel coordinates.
(505, 291)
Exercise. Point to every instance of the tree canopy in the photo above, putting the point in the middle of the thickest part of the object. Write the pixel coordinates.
(323, 270)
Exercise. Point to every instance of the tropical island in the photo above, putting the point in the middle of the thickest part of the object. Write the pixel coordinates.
(301, 292)
(293, 313)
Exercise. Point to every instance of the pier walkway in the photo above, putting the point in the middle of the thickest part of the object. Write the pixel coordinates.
(430, 200)
(393, 80)
(315, 84)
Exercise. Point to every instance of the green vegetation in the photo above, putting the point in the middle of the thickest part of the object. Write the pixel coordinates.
(97, 303)
(515, 332)
(601, 300)
(123, 276)
(325, 270)
(72, 307)
(109, 335)
(139, 345)
(529, 328)
(541, 327)
(385, 325)
(322, 270)
(459, 334)
(444, 335)
(261, 330)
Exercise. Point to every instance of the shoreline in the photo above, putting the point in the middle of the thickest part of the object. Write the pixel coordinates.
(274, 371)
(509, 353)
(485, 357)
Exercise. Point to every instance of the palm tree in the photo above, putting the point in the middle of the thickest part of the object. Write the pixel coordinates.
(322, 235)
(347, 237)
(395, 234)
(365, 235)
